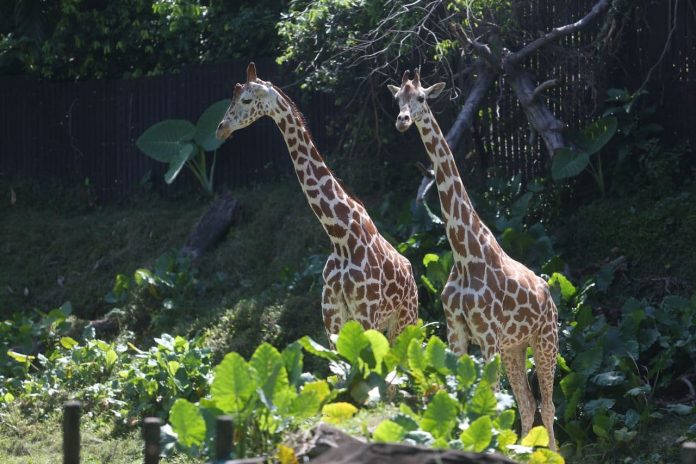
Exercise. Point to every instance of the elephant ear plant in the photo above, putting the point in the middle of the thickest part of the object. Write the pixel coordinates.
(178, 142)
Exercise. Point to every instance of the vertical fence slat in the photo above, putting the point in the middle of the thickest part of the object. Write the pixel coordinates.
(223, 438)
(71, 432)
(151, 435)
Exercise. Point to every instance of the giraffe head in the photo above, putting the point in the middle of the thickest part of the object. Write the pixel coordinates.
(250, 101)
(411, 97)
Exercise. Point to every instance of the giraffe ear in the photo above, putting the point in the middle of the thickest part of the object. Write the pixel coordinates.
(434, 90)
(251, 72)
(393, 89)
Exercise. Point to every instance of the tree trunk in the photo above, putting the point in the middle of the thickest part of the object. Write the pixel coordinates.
(211, 227)
(538, 114)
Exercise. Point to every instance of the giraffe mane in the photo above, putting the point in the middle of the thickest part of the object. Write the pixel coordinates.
(298, 114)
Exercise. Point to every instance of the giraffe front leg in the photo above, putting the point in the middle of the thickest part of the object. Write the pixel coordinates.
(332, 313)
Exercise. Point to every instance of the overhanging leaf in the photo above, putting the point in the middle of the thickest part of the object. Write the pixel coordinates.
(163, 141)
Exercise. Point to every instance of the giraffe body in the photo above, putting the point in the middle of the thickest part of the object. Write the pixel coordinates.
(490, 299)
(365, 278)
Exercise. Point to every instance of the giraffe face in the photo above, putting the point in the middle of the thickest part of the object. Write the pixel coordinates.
(249, 102)
(411, 97)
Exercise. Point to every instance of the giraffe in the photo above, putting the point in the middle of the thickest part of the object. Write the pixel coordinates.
(365, 278)
(490, 299)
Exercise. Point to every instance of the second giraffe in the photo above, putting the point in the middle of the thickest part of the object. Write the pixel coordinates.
(489, 299)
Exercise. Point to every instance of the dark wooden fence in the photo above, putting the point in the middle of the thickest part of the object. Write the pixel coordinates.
(86, 131)
(223, 440)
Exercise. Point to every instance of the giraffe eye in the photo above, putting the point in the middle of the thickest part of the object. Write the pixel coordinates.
(421, 98)
(246, 101)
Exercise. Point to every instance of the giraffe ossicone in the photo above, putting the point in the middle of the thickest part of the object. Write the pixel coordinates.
(365, 278)
(490, 299)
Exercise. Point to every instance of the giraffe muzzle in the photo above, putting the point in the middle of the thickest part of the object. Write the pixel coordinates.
(403, 122)
(223, 131)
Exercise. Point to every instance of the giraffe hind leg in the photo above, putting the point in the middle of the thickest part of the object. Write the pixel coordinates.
(406, 314)
(545, 350)
(514, 360)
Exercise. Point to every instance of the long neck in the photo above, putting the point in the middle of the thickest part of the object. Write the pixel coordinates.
(469, 237)
(338, 213)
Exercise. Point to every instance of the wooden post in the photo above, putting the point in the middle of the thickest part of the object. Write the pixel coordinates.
(151, 433)
(71, 432)
(223, 438)
(688, 452)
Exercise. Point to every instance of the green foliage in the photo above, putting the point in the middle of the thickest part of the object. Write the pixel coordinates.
(569, 162)
(79, 39)
(264, 396)
(114, 379)
(267, 397)
(179, 143)
(156, 294)
(613, 372)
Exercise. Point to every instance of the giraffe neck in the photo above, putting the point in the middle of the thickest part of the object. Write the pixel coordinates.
(336, 210)
(470, 239)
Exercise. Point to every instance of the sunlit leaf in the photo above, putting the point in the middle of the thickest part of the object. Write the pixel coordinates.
(389, 432)
(188, 423)
(335, 413)
(478, 435)
(538, 436)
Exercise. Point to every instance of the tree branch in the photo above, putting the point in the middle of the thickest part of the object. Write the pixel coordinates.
(543, 87)
(557, 32)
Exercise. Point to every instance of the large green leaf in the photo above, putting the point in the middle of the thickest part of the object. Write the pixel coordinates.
(466, 371)
(270, 368)
(379, 344)
(234, 383)
(389, 431)
(538, 436)
(316, 349)
(483, 403)
(398, 354)
(568, 163)
(207, 125)
(177, 162)
(597, 134)
(479, 435)
(441, 415)
(351, 341)
(188, 423)
(435, 354)
(163, 141)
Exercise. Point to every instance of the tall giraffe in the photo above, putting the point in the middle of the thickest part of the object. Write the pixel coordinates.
(365, 278)
(489, 299)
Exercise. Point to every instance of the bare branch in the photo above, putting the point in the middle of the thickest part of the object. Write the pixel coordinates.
(543, 87)
(482, 50)
(465, 118)
(668, 42)
(557, 32)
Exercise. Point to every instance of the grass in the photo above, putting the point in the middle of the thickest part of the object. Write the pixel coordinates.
(23, 440)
